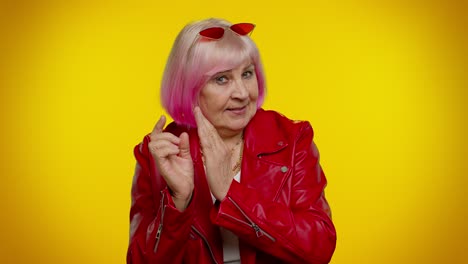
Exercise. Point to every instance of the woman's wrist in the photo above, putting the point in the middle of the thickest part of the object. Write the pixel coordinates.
(181, 203)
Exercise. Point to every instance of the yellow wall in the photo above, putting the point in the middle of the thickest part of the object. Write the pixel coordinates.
(383, 84)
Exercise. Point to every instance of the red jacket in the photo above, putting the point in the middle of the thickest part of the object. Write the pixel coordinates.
(278, 210)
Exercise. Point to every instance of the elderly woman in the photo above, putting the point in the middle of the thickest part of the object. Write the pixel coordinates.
(227, 182)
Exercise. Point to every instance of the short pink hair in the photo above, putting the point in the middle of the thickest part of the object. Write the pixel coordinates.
(193, 60)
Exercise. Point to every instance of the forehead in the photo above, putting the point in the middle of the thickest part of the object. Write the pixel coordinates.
(247, 63)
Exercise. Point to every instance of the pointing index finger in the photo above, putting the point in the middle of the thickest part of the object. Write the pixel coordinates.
(158, 128)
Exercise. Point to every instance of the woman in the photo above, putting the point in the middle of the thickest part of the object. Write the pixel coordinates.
(227, 182)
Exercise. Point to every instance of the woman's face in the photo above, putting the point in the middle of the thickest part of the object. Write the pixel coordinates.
(229, 98)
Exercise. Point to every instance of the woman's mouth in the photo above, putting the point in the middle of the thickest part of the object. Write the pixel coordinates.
(237, 110)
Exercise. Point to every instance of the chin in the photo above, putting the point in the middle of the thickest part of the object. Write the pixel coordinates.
(242, 124)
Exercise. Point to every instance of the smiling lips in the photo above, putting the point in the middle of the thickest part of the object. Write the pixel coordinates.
(237, 110)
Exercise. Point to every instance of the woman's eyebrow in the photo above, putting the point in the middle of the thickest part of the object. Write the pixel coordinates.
(249, 66)
(230, 70)
(222, 72)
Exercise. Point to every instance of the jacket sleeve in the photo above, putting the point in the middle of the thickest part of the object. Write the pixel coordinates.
(298, 232)
(158, 229)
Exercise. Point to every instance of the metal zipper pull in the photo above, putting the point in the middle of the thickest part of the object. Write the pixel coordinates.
(158, 234)
(257, 229)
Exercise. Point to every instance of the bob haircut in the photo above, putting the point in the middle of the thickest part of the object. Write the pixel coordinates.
(194, 59)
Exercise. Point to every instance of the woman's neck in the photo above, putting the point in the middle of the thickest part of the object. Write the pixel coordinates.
(232, 139)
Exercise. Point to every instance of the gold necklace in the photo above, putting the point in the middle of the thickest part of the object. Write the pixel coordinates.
(237, 166)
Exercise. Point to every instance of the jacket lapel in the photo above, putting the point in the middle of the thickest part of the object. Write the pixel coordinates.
(267, 153)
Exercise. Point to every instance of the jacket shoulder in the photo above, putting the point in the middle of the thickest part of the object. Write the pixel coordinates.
(271, 120)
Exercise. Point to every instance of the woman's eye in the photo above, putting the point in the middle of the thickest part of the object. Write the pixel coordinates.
(221, 79)
(247, 74)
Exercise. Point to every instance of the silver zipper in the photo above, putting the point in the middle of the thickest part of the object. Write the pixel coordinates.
(237, 220)
(206, 242)
(158, 233)
(258, 231)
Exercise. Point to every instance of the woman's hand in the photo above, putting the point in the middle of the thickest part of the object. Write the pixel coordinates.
(217, 157)
(173, 160)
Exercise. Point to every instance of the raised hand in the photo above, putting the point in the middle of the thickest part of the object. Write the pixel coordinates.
(217, 156)
(174, 163)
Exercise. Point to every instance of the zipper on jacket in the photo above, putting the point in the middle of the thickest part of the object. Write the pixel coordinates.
(256, 228)
(206, 242)
(158, 233)
(258, 231)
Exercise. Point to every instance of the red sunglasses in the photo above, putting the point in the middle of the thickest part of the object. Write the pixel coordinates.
(216, 33)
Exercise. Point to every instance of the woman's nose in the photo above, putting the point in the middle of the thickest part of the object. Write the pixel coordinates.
(240, 90)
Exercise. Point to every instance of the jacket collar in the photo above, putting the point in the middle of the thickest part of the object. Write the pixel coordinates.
(264, 134)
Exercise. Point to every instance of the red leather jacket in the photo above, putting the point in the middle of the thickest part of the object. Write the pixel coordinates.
(278, 210)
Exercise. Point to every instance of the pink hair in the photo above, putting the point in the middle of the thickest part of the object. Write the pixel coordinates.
(194, 59)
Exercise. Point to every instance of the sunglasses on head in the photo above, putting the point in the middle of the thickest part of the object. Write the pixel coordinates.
(216, 33)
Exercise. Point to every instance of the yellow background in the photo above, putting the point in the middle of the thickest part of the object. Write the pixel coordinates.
(383, 84)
